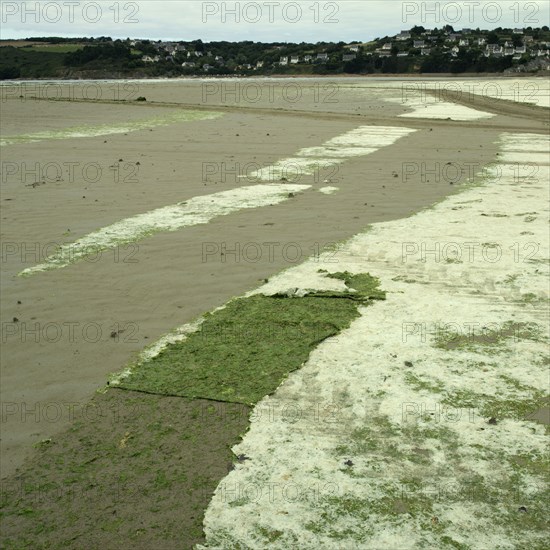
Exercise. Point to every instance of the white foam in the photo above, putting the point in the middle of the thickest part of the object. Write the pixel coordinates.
(328, 190)
(310, 160)
(197, 210)
(429, 107)
(519, 90)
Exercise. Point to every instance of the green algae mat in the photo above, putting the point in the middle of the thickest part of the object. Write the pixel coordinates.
(103, 484)
(244, 351)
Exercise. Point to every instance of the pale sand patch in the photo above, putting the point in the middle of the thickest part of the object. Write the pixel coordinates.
(414, 95)
(412, 446)
(109, 129)
(293, 169)
(328, 190)
(335, 152)
(534, 90)
(310, 160)
(194, 211)
(424, 106)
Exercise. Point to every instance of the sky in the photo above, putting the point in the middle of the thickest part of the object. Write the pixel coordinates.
(265, 21)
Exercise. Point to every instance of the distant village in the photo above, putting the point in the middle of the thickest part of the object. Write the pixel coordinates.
(516, 47)
(417, 50)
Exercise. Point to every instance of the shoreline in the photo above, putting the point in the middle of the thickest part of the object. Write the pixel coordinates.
(396, 76)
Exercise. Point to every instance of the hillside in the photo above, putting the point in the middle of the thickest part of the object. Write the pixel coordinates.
(417, 50)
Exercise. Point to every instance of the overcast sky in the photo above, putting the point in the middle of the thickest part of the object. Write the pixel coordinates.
(267, 21)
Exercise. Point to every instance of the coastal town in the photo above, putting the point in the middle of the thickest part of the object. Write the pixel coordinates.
(413, 51)
(516, 45)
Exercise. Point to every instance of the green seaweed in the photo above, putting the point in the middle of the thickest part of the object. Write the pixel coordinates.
(513, 406)
(365, 285)
(244, 351)
(488, 338)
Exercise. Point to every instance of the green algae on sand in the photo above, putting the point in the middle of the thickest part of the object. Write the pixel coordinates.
(109, 129)
(245, 350)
